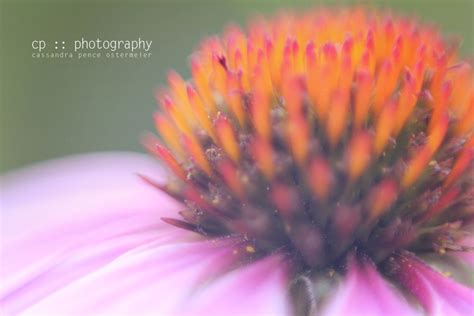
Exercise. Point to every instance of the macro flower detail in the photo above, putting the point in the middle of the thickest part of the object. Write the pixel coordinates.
(323, 136)
(320, 163)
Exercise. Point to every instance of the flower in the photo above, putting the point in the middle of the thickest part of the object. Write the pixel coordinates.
(320, 163)
(82, 236)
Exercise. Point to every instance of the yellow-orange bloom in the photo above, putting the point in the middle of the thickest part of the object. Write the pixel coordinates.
(302, 115)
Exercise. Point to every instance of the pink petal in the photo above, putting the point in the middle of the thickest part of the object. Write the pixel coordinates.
(154, 279)
(83, 236)
(365, 292)
(465, 256)
(438, 294)
(257, 289)
(468, 255)
(65, 218)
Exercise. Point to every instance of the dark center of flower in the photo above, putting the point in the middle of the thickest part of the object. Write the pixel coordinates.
(321, 135)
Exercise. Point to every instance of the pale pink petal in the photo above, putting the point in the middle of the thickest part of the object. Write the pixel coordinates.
(65, 218)
(154, 279)
(438, 294)
(466, 256)
(365, 293)
(257, 289)
(83, 236)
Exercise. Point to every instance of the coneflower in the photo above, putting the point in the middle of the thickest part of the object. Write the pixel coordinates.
(328, 137)
(328, 152)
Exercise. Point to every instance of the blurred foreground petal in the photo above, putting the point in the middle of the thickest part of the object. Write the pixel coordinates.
(65, 218)
(156, 278)
(438, 294)
(83, 236)
(365, 293)
(468, 255)
(256, 289)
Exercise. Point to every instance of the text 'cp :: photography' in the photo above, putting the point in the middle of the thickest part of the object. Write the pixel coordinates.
(92, 49)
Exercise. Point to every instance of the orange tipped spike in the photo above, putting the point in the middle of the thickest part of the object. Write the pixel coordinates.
(406, 103)
(389, 37)
(363, 93)
(297, 57)
(292, 95)
(233, 98)
(154, 147)
(321, 178)
(328, 76)
(347, 64)
(176, 115)
(254, 59)
(259, 75)
(298, 136)
(369, 42)
(262, 72)
(444, 202)
(285, 199)
(384, 128)
(438, 132)
(201, 79)
(439, 76)
(382, 197)
(288, 67)
(463, 85)
(227, 138)
(168, 133)
(275, 57)
(385, 85)
(312, 76)
(231, 177)
(329, 53)
(440, 104)
(358, 154)
(419, 74)
(397, 56)
(368, 61)
(236, 47)
(178, 89)
(263, 155)
(201, 115)
(464, 160)
(465, 125)
(195, 149)
(177, 85)
(261, 113)
(192, 194)
(337, 121)
(416, 166)
(235, 39)
(220, 74)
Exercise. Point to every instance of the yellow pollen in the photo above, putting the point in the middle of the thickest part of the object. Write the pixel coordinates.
(250, 249)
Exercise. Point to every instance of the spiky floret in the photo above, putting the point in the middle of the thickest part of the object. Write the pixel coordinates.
(320, 133)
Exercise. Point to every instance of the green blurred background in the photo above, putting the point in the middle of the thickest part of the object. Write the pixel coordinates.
(51, 108)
